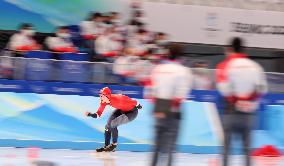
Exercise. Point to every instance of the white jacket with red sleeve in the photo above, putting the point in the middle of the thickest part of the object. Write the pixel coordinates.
(240, 79)
(171, 81)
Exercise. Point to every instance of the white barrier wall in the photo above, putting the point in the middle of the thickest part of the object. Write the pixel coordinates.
(215, 25)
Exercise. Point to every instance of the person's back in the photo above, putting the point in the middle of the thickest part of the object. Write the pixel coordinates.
(243, 85)
(241, 82)
(170, 85)
(171, 80)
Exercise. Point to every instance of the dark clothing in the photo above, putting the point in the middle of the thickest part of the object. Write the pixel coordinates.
(166, 133)
(116, 119)
(236, 122)
(166, 136)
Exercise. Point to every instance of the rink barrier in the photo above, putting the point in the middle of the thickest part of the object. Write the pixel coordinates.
(59, 88)
(84, 89)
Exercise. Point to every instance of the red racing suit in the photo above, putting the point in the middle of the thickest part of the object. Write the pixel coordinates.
(118, 101)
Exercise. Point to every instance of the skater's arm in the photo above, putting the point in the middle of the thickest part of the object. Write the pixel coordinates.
(98, 113)
(101, 109)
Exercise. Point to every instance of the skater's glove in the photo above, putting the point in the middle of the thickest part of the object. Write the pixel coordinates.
(139, 106)
(94, 115)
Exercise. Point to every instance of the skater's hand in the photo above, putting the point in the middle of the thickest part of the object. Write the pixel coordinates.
(159, 115)
(139, 107)
(91, 115)
(87, 113)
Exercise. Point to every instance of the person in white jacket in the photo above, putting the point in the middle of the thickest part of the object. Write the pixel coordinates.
(125, 66)
(61, 42)
(241, 82)
(90, 30)
(170, 84)
(140, 42)
(23, 40)
(108, 45)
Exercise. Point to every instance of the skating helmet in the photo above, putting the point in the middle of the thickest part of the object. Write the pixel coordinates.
(105, 91)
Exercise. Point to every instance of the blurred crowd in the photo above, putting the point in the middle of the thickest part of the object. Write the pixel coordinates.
(104, 37)
(127, 43)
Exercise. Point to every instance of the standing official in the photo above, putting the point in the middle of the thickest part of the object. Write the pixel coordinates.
(170, 85)
(241, 82)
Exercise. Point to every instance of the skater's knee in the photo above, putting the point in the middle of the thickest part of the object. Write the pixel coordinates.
(112, 127)
(107, 128)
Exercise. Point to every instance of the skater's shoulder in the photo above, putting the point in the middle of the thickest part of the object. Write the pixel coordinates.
(118, 96)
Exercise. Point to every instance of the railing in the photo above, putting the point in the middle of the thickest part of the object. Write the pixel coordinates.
(19, 68)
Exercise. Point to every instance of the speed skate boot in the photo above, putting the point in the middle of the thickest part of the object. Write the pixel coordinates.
(102, 149)
(110, 148)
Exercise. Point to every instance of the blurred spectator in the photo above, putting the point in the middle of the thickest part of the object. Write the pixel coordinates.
(116, 19)
(23, 40)
(144, 67)
(170, 85)
(135, 22)
(107, 20)
(132, 28)
(61, 42)
(135, 5)
(124, 66)
(161, 39)
(138, 17)
(202, 79)
(118, 23)
(90, 30)
(241, 82)
(108, 45)
(139, 42)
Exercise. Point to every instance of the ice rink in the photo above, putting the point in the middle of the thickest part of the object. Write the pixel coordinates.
(26, 157)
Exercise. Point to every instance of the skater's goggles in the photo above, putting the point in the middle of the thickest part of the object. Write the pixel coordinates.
(104, 98)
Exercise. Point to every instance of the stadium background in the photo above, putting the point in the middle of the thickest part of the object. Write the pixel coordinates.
(31, 118)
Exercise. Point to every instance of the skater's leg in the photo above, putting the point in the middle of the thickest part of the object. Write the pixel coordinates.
(114, 133)
(107, 136)
(114, 123)
(108, 130)
(123, 119)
